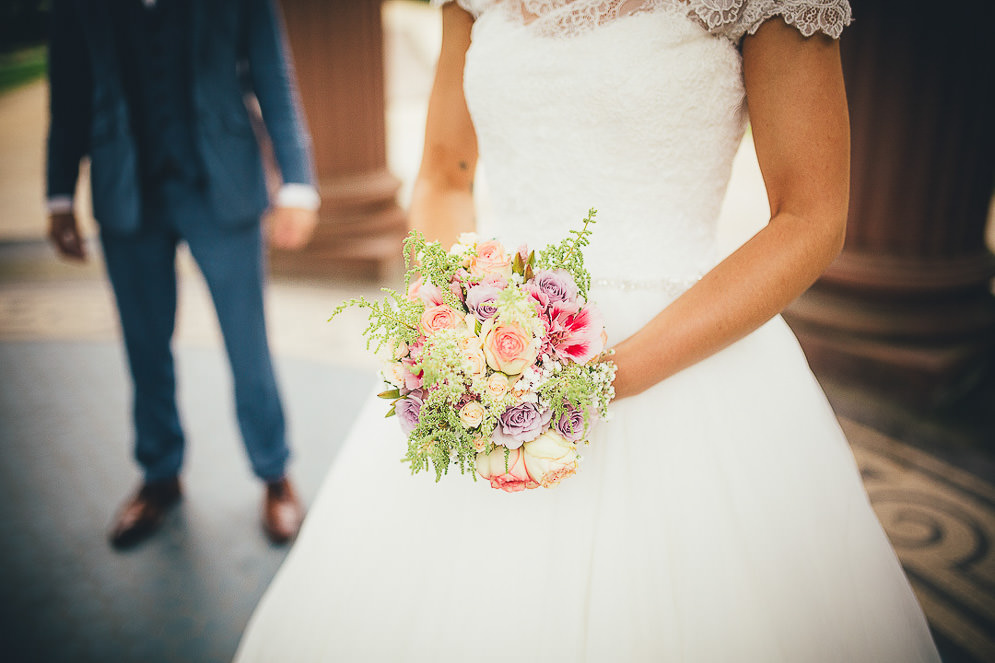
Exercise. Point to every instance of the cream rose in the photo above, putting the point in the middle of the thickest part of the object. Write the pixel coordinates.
(436, 318)
(508, 347)
(472, 414)
(490, 259)
(520, 388)
(497, 386)
(479, 443)
(549, 458)
(476, 361)
(511, 477)
(394, 373)
(400, 350)
(471, 342)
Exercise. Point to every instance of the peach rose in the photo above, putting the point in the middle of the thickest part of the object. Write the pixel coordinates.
(472, 414)
(510, 478)
(490, 259)
(549, 458)
(509, 348)
(479, 443)
(436, 318)
(497, 386)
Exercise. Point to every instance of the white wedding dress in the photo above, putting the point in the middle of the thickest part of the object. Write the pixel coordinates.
(718, 516)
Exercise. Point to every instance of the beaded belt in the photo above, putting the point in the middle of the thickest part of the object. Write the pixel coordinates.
(672, 286)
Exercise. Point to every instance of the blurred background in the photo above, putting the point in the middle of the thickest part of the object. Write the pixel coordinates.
(900, 331)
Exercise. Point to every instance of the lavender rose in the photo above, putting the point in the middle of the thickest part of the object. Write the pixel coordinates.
(570, 424)
(481, 301)
(520, 424)
(408, 409)
(556, 284)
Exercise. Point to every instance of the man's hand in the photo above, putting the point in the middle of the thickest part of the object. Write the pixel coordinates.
(63, 231)
(291, 227)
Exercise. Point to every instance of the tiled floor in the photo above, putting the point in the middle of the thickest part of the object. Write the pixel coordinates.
(186, 595)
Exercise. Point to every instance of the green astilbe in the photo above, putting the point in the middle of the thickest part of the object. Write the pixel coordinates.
(396, 317)
(435, 265)
(392, 320)
(569, 254)
(586, 388)
(436, 441)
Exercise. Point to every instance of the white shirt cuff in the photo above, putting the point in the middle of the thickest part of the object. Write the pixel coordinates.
(59, 204)
(303, 196)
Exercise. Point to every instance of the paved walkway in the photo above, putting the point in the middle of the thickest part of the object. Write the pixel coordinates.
(186, 595)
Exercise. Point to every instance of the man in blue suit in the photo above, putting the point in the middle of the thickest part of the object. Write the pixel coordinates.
(154, 93)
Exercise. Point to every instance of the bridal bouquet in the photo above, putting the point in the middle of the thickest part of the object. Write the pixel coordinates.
(493, 358)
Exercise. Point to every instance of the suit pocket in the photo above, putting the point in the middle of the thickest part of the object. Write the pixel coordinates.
(235, 176)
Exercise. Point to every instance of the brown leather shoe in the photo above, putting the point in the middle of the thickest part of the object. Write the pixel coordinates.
(143, 514)
(282, 511)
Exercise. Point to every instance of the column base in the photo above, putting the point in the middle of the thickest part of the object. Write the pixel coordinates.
(359, 232)
(924, 354)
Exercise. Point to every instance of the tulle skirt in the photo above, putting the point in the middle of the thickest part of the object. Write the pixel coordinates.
(719, 516)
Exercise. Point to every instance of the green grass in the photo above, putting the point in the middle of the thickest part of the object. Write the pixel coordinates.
(21, 67)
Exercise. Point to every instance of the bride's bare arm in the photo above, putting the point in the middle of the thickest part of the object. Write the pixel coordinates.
(800, 126)
(442, 198)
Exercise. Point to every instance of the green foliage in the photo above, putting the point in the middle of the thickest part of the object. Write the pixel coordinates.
(569, 254)
(392, 320)
(435, 265)
(586, 388)
(517, 306)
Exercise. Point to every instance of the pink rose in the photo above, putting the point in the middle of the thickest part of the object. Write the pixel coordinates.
(498, 281)
(511, 477)
(430, 294)
(412, 379)
(508, 347)
(456, 288)
(490, 259)
(550, 458)
(440, 317)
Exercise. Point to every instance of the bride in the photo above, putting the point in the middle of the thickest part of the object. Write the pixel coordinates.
(719, 514)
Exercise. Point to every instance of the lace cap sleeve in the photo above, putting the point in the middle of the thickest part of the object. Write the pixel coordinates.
(468, 5)
(735, 18)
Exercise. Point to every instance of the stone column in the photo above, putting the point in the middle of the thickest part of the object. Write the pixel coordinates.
(908, 306)
(337, 49)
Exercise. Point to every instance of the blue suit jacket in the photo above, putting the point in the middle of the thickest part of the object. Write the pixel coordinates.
(236, 46)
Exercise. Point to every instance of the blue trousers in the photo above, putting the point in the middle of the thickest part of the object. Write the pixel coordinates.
(142, 271)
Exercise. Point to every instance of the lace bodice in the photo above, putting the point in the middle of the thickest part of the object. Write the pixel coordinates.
(638, 111)
(728, 18)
